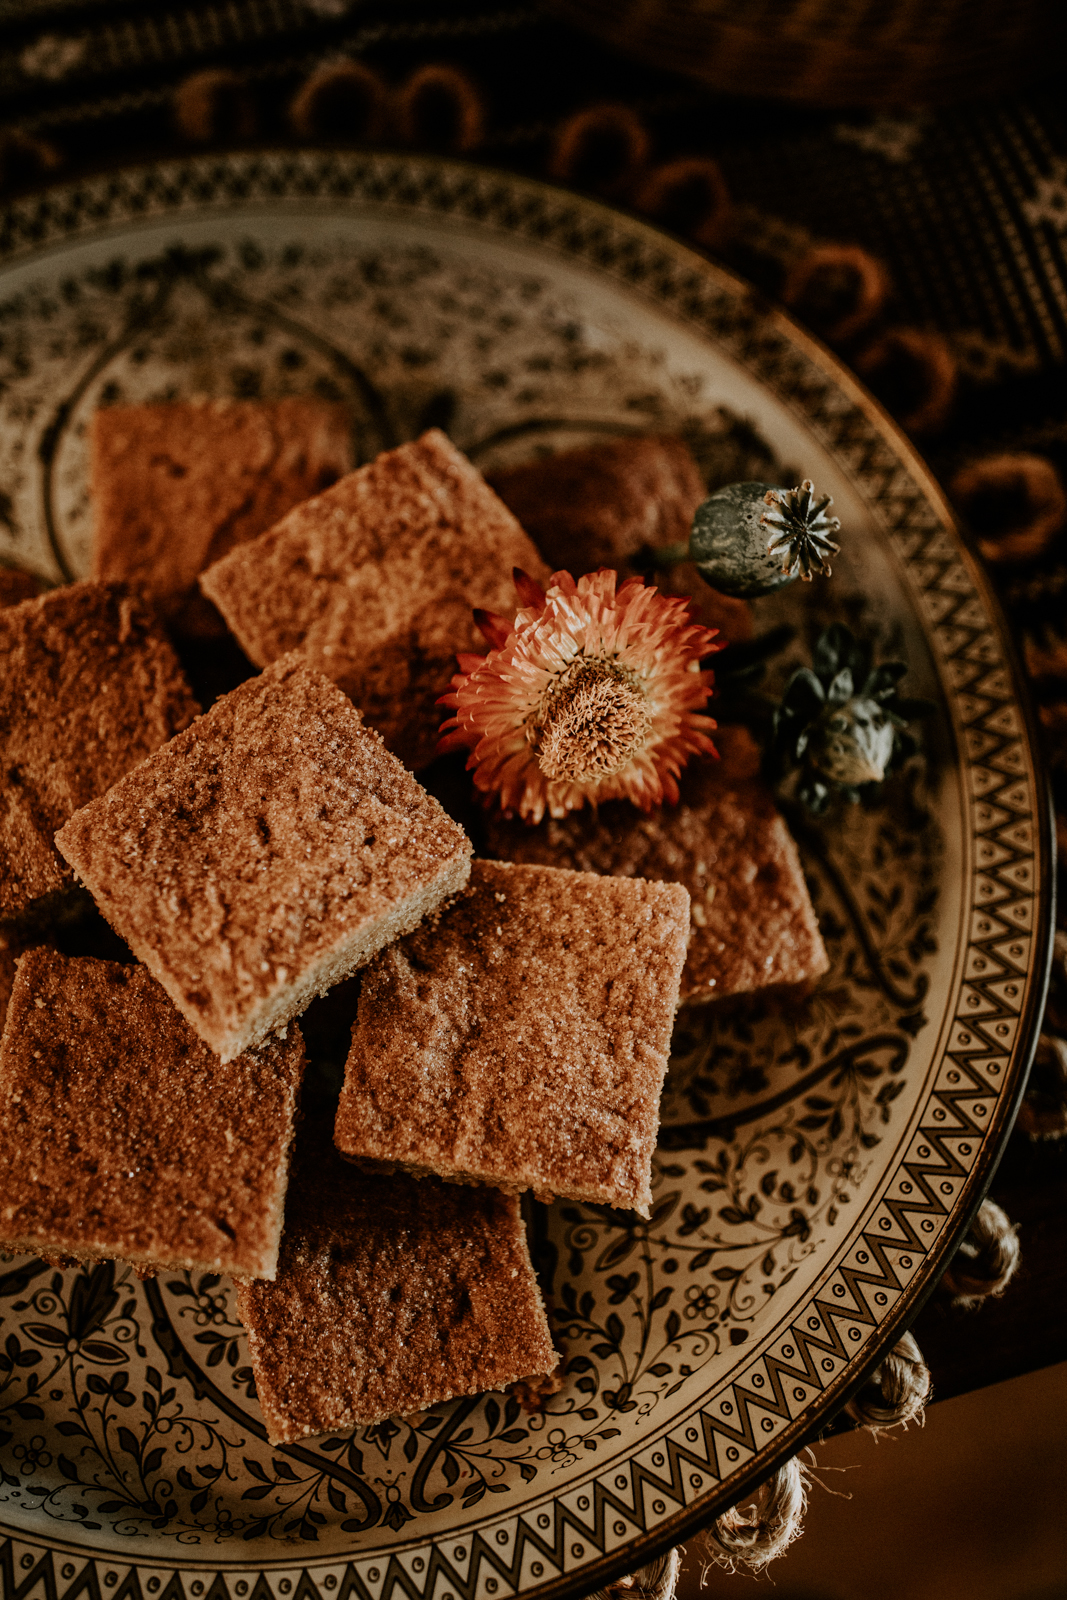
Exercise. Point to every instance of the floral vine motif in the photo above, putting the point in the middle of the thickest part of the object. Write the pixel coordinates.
(209, 1312)
(453, 1445)
(121, 1443)
(768, 1195)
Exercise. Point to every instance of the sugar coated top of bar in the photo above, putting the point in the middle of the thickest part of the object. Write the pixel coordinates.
(90, 687)
(375, 581)
(16, 586)
(521, 1037)
(264, 854)
(391, 1295)
(601, 505)
(753, 925)
(176, 486)
(122, 1135)
(596, 507)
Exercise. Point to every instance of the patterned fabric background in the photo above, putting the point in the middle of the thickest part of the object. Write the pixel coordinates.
(928, 246)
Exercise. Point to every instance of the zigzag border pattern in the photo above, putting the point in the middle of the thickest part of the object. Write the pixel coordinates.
(762, 1412)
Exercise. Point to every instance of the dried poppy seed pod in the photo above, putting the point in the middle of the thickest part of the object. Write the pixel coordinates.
(752, 538)
(841, 721)
(852, 744)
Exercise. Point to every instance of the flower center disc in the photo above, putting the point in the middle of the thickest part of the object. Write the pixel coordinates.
(592, 721)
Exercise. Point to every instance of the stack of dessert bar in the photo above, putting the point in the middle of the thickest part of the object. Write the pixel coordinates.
(514, 1016)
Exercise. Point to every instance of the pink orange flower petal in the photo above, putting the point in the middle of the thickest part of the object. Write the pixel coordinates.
(595, 692)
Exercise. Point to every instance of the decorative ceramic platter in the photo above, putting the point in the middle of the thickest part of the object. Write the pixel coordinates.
(816, 1165)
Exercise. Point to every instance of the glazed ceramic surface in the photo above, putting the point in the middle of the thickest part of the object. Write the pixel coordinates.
(816, 1164)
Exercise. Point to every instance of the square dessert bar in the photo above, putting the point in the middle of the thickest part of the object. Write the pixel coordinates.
(265, 854)
(10, 950)
(390, 1296)
(90, 686)
(753, 924)
(375, 582)
(122, 1135)
(16, 586)
(520, 1038)
(174, 487)
(597, 507)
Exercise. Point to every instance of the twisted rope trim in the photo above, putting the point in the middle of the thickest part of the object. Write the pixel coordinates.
(752, 1535)
(986, 1261)
(896, 1392)
(656, 1581)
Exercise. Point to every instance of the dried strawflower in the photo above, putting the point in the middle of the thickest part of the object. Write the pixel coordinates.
(593, 693)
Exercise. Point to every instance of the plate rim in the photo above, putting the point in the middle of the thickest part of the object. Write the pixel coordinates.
(688, 1520)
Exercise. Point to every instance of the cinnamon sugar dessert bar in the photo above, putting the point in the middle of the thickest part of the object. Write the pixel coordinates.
(122, 1135)
(176, 486)
(10, 950)
(16, 586)
(375, 581)
(752, 922)
(597, 507)
(90, 686)
(265, 854)
(520, 1038)
(390, 1296)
